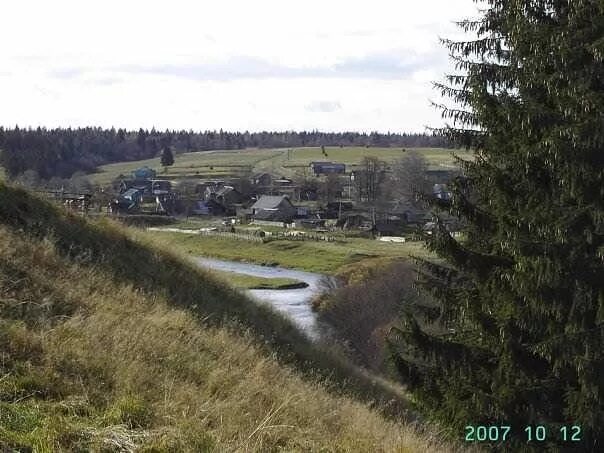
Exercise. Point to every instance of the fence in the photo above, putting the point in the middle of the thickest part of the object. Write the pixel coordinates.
(229, 235)
(255, 237)
(301, 237)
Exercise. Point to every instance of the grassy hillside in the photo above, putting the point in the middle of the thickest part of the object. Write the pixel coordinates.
(202, 164)
(237, 162)
(351, 155)
(108, 344)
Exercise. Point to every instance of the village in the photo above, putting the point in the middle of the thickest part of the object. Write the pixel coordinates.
(331, 197)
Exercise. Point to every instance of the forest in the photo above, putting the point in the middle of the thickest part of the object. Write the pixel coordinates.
(62, 152)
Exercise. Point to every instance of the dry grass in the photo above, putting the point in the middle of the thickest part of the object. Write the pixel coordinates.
(132, 372)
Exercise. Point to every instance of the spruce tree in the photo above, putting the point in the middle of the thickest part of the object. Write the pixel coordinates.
(167, 158)
(514, 334)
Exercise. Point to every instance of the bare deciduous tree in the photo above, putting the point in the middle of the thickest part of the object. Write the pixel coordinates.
(409, 177)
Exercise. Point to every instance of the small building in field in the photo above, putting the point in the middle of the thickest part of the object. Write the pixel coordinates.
(326, 168)
(144, 173)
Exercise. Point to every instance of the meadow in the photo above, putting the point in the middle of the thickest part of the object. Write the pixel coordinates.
(283, 161)
(436, 157)
(243, 281)
(313, 256)
(195, 164)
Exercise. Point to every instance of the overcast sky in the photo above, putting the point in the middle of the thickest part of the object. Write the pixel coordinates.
(332, 65)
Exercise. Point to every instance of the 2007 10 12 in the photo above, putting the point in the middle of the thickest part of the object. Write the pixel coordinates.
(532, 433)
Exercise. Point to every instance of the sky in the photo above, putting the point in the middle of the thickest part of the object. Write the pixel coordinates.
(331, 65)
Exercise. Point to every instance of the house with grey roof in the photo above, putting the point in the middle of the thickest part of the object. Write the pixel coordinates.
(273, 208)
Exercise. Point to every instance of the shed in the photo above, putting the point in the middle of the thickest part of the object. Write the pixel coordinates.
(326, 168)
(144, 173)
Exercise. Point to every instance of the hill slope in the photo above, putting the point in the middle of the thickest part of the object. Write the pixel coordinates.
(108, 344)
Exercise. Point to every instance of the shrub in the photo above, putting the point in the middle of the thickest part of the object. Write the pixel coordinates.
(362, 312)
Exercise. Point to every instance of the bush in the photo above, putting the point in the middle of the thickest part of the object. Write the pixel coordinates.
(362, 312)
(143, 221)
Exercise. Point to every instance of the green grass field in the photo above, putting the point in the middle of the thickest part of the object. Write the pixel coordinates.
(282, 161)
(312, 256)
(243, 281)
(437, 157)
(202, 164)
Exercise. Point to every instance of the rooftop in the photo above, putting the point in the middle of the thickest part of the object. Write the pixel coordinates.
(269, 201)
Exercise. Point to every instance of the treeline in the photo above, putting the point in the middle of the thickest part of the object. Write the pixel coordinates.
(62, 152)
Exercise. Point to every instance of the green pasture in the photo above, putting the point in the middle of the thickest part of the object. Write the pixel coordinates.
(313, 256)
(243, 281)
(286, 162)
(354, 155)
(196, 164)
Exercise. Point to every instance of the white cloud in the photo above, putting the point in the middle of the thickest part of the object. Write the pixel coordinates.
(323, 106)
(233, 64)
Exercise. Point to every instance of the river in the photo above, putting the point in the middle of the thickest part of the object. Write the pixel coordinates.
(294, 303)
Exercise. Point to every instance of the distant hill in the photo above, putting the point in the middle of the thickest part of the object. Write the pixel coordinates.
(292, 162)
(62, 152)
(111, 344)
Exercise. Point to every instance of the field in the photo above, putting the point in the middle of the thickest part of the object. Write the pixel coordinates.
(437, 157)
(201, 164)
(216, 164)
(312, 256)
(243, 281)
